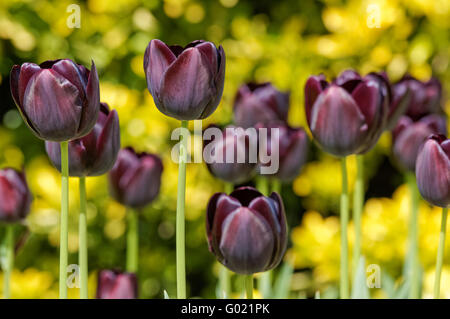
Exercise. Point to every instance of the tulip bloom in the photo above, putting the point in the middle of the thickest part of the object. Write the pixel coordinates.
(15, 196)
(260, 103)
(235, 144)
(433, 171)
(424, 96)
(59, 100)
(136, 178)
(247, 231)
(293, 150)
(186, 83)
(408, 137)
(347, 116)
(95, 153)
(116, 285)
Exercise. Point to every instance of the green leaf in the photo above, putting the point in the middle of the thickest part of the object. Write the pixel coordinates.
(388, 285)
(359, 287)
(283, 282)
(265, 284)
(166, 295)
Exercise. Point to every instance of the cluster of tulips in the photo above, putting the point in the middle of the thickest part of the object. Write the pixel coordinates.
(246, 227)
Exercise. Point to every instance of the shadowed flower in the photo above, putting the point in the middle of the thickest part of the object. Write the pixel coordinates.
(408, 137)
(95, 153)
(186, 83)
(260, 103)
(433, 170)
(15, 196)
(135, 178)
(58, 99)
(247, 231)
(116, 285)
(347, 116)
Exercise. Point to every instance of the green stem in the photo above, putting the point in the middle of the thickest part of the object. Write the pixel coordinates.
(344, 284)
(262, 184)
(83, 246)
(229, 187)
(180, 222)
(132, 241)
(440, 255)
(358, 204)
(413, 236)
(9, 261)
(276, 185)
(249, 286)
(64, 222)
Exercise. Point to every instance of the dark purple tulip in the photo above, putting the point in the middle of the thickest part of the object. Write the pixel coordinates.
(95, 153)
(186, 83)
(135, 178)
(433, 170)
(116, 285)
(238, 144)
(347, 116)
(260, 103)
(293, 150)
(408, 137)
(58, 99)
(247, 231)
(424, 96)
(15, 196)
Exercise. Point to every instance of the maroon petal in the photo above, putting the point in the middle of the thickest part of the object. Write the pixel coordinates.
(91, 104)
(27, 70)
(245, 194)
(367, 96)
(157, 58)
(348, 80)
(53, 106)
(313, 88)
(68, 69)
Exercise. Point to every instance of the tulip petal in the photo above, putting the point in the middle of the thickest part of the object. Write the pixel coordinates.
(247, 243)
(295, 155)
(367, 97)
(348, 80)
(245, 194)
(69, 70)
(186, 87)
(313, 87)
(91, 104)
(337, 123)
(433, 174)
(53, 106)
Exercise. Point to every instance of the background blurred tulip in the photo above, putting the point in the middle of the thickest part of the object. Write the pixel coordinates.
(433, 170)
(95, 153)
(186, 83)
(234, 141)
(116, 285)
(293, 150)
(135, 178)
(424, 96)
(260, 103)
(58, 99)
(246, 230)
(408, 137)
(347, 116)
(15, 196)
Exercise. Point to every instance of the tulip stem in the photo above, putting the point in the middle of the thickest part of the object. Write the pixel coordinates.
(9, 261)
(413, 236)
(64, 222)
(276, 186)
(132, 241)
(440, 255)
(82, 237)
(344, 284)
(358, 204)
(262, 184)
(249, 286)
(180, 222)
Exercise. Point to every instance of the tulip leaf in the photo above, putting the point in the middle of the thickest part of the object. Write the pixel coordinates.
(283, 282)
(265, 284)
(359, 287)
(166, 295)
(317, 294)
(388, 285)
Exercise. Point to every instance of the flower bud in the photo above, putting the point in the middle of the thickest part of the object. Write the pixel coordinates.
(116, 285)
(135, 178)
(433, 170)
(247, 231)
(59, 100)
(260, 103)
(95, 153)
(186, 83)
(15, 196)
